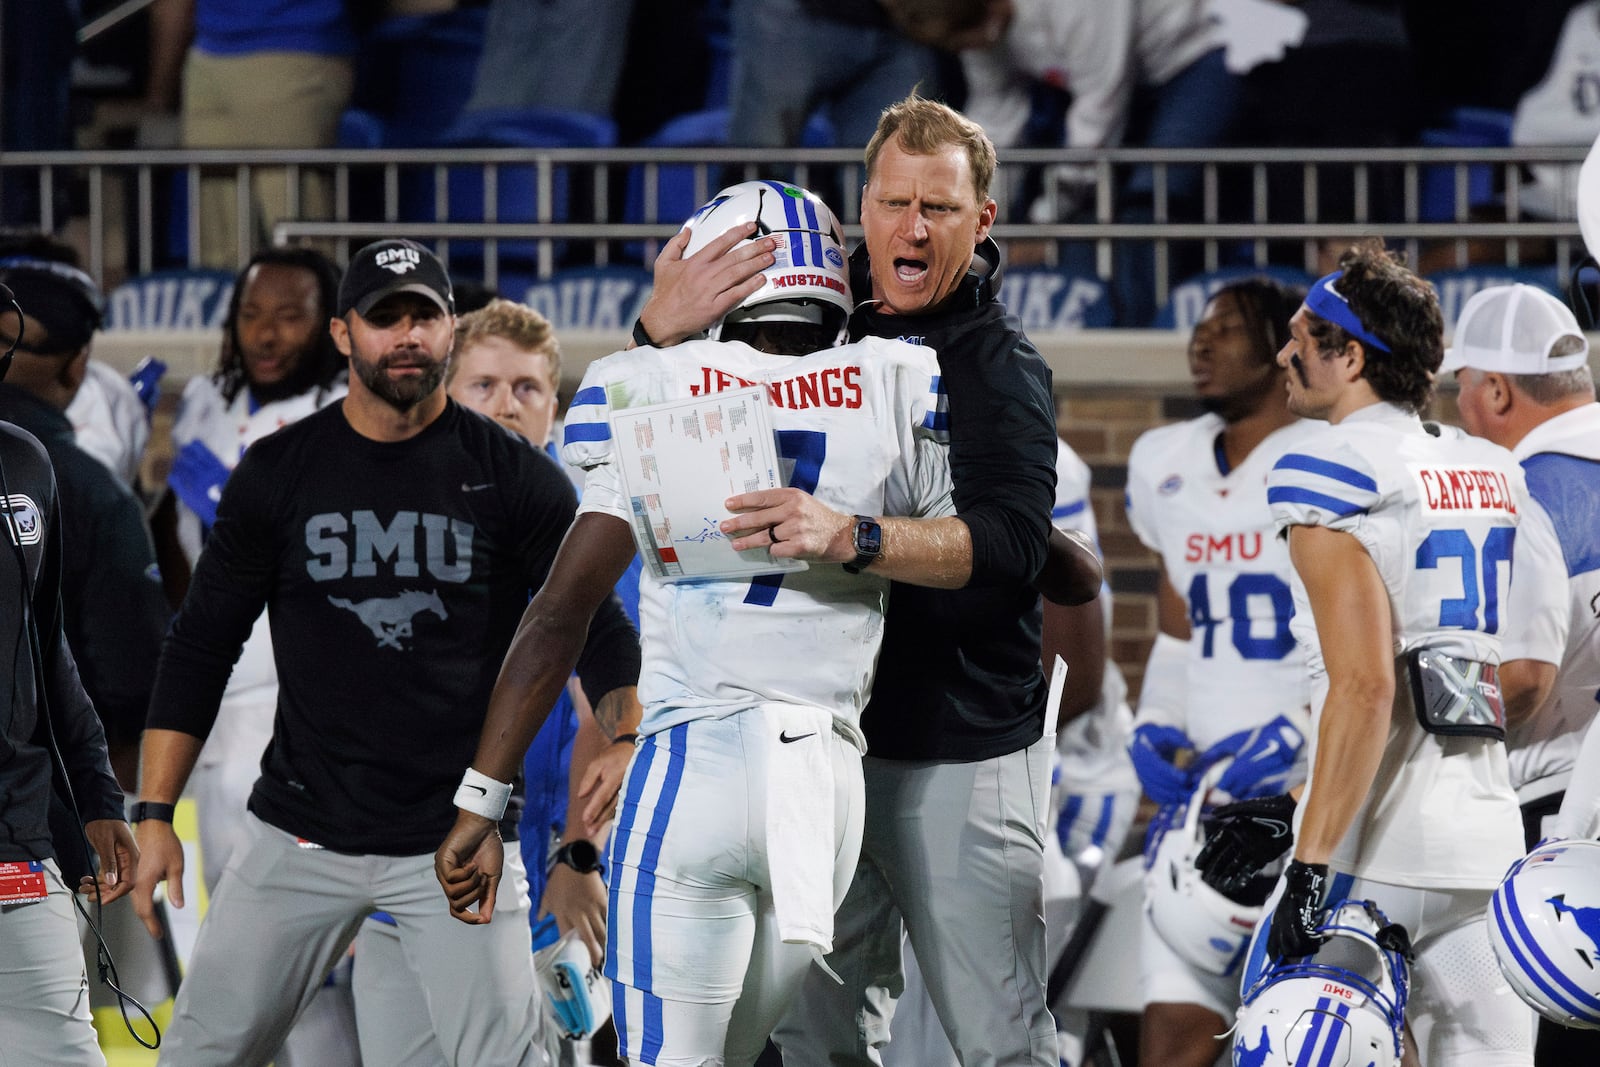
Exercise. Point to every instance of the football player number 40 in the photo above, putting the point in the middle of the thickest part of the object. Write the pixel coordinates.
(1462, 612)
(1241, 591)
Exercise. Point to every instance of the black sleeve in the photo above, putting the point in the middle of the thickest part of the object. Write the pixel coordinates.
(116, 632)
(1002, 455)
(71, 717)
(229, 589)
(610, 657)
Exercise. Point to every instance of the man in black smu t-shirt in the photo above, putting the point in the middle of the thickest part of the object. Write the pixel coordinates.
(394, 539)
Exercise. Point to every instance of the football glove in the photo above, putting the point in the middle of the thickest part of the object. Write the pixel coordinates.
(1293, 934)
(146, 382)
(197, 477)
(1244, 838)
(1263, 758)
(1155, 749)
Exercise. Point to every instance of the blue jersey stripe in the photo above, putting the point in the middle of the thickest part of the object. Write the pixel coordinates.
(1102, 827)
(1069, 816)
(587, 431)
(1297, 461)
(638, 774)
(1074, 507)
(1293, 494)
(938, 421)
(595, 394)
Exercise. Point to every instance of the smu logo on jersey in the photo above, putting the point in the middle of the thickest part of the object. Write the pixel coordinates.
(1228, 548)
(834, 387)
(1464, 490)
(354, 546)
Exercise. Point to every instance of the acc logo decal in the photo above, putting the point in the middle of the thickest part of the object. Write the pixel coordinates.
(833, 257)
(23, 520)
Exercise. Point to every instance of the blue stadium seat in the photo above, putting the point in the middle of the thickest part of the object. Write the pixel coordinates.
(1457, 286)
(1046, 299)
(517, 186)
(1468, 128)
(416, 72)
(170, 300)
(1187, 300)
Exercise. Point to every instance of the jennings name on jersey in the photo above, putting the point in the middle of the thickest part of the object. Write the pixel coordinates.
(861, 428)
(1215, 536)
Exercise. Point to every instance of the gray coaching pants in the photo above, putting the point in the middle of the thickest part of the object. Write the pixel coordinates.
(953, 855)
(44, 995)
(284, 915)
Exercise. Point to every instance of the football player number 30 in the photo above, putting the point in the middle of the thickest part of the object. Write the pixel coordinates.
(807, 448)
(1462, 612)
(1241, 590)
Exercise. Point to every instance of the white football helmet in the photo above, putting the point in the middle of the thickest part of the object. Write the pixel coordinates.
(577, 996)
(1208, 929)
(1343, 1007)
(810, 281)
(1544, 923)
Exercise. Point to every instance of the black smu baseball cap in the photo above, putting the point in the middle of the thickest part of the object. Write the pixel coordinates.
(384, 268)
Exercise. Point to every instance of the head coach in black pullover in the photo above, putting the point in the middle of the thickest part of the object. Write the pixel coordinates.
(957, 764)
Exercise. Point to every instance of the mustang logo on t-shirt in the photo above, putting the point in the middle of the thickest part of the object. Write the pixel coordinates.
(389, 618)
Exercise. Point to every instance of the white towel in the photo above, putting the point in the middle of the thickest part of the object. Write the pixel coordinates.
(800, 822)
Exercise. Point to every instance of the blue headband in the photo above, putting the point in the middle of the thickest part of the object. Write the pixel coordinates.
(1327, 302)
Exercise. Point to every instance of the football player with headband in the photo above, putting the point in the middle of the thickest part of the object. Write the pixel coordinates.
(1401, 534)
(741, 814)
(1224, 669)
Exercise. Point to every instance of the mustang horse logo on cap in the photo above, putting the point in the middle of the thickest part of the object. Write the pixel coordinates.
(399, 260)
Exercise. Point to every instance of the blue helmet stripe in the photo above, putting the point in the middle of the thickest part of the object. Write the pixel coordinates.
(797, 242)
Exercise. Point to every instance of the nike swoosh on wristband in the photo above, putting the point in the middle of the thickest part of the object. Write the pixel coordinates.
(786, 739)
(479, 788)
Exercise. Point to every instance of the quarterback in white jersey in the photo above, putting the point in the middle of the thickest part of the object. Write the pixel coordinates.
(740, 819)
(1401, 535)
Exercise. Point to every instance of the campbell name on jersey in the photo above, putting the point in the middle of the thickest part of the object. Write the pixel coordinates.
(1437, 512)
(1215, 536)
(861, 428)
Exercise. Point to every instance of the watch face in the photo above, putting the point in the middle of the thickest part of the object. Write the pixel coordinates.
(869, 538)
(583, 856)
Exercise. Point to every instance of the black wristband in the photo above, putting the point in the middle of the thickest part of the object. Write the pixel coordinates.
(641, 336)
(579, 854)
(625, 739)
(149, 809)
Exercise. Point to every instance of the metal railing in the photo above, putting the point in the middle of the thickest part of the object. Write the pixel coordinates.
(139, 208)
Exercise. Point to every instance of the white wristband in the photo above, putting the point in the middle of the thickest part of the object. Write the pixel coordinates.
(482, 795)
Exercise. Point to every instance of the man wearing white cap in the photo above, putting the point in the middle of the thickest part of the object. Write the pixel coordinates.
(1523, 367)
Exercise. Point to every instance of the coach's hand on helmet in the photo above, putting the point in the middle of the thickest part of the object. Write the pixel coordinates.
(691, 294)
(468, 866)
(1243, 838)
(1295, 920)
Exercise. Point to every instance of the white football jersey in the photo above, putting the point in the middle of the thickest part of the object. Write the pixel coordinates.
(1093, 746)
(1437, 511)
(109, 421)
(1217, 542)
(861, 428)
(1554, 605)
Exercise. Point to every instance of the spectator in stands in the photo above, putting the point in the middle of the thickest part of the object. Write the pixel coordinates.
(1141, 72)
(563, 54)
(1563, 109)
(112, 605)
(843, 54)
(257, 76)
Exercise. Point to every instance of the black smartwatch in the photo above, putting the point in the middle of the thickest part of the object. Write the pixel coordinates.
(580, 855)
(867, 537)
(641, 336)
(149, 809)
